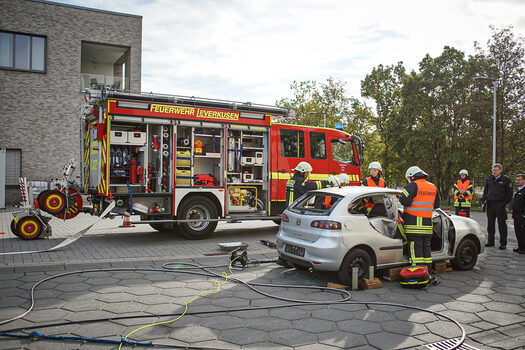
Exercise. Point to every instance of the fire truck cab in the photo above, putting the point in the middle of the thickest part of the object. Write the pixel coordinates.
(185, 163)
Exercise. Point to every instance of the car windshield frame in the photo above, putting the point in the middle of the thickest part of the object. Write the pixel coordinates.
(298, 207)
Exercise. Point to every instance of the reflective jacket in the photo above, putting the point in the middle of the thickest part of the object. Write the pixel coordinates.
(463, 193)
(419, 198)
(373, 182)
(297, 186)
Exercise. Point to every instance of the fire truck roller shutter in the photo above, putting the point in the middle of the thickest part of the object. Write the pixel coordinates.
(197, 207)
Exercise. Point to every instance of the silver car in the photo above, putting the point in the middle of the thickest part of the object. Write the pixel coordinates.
(336, 229)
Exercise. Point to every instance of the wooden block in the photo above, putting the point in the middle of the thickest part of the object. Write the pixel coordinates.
(391, 275)
(337, 285)
(440, 267)
(371, 284)
(449, 268)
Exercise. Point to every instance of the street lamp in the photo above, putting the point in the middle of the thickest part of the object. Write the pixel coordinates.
(324, 116)
(495, 83)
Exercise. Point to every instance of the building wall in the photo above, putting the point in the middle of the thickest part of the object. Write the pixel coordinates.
(39, 111)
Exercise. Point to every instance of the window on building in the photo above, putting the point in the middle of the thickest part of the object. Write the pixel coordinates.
(292, 143)
(13, 166)
(22, 52)
(317, 145)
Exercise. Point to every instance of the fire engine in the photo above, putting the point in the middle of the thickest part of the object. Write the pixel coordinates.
(185, 163)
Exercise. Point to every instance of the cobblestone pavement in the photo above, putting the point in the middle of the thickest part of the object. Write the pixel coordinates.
(488, 301)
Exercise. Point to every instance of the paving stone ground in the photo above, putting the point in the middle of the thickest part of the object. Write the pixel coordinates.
(488, 301)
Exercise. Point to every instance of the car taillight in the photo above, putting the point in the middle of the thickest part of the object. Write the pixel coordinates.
(326, 224)
(285, 218)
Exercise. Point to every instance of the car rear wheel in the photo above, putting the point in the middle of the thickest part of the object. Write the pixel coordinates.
(466, 255)
(355, 258)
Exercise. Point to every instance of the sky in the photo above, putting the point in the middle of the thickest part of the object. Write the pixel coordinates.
(252, 50)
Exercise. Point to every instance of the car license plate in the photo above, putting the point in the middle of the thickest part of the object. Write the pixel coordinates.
(292, 249)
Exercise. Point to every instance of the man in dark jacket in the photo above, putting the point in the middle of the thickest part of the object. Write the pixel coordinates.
(496, 195)
(518, 213)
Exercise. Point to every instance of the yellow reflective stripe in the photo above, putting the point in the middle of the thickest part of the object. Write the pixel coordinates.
(405, 192)
(412, 253)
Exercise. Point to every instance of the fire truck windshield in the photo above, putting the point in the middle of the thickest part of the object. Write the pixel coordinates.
(343, 151)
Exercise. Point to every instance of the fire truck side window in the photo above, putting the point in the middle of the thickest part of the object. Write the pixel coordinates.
(317, 145)
(292, 143)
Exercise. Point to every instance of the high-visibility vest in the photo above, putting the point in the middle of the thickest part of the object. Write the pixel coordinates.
(463, 186)
(423, 203)
(371, 183)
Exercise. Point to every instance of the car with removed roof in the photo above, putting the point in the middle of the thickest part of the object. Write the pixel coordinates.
(338, 229)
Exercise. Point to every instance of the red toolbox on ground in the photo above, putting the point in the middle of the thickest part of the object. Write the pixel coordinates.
(414, 276)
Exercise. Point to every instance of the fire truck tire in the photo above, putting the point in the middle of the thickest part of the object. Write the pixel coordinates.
(14, 229)
(167, 227)
(197, 207)
(29, 227)
(54, 202)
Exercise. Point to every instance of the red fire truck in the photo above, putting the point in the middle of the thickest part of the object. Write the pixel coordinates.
(185, 163)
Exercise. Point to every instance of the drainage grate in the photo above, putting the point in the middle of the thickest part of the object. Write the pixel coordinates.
(449, 344)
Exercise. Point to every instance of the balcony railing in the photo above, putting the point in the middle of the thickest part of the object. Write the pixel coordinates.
(89, 81)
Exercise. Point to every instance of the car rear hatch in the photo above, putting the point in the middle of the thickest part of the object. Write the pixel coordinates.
(301, 214)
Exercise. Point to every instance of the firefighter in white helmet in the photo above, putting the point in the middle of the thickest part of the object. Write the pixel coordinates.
(419, 198)
(374, 180)
(299, 184)
(463, 190)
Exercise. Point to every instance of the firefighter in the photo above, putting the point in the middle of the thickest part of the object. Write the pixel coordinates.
(419, 198)
(374, 180)
(463, 190)
(299, 184)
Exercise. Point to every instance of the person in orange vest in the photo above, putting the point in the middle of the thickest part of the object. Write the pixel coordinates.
(419, 198)
(463, 189)
(374, 180)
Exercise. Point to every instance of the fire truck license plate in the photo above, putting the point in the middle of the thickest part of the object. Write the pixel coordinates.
(292, 249)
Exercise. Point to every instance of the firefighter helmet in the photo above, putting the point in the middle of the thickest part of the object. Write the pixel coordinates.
(414, 171)
(303, 167)
(375, 165)
(345, 180)
(463, 171)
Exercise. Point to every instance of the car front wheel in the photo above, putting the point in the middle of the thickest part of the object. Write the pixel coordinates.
(355, 258)
(466, 255)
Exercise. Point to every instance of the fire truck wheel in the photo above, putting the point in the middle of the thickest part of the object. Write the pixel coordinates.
(167, 227)
(54, 202)
(198, 207)
(14, 228)
(29, 227)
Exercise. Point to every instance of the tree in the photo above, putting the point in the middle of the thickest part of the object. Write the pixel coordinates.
(384, 85)
(505, 60)
(432, 125)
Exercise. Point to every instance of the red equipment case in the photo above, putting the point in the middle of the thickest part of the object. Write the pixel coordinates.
(414, 276)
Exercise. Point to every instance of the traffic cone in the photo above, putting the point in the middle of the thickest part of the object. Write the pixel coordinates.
(127, 221)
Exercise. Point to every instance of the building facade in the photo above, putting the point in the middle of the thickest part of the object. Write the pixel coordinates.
(49, 53)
